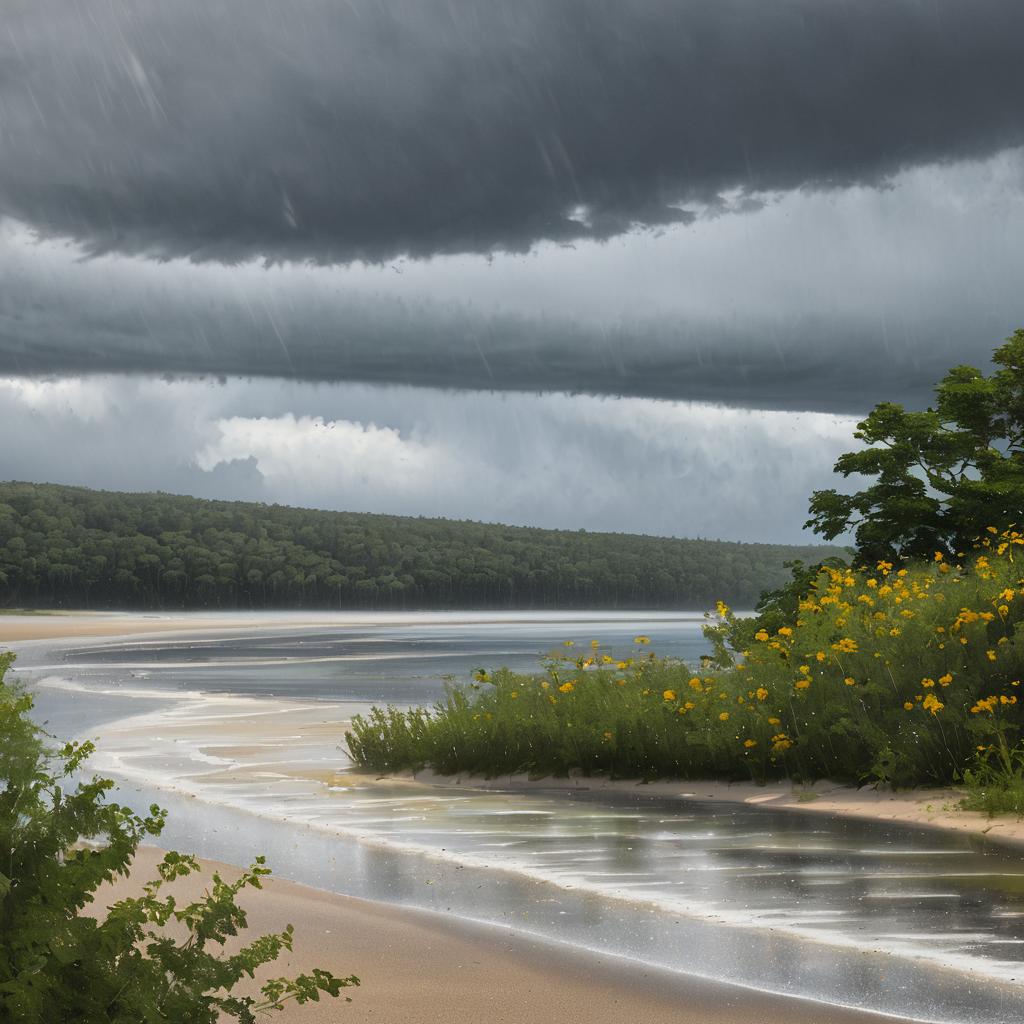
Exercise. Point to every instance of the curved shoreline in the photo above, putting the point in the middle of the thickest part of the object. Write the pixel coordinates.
(420, 967)
(923, 809)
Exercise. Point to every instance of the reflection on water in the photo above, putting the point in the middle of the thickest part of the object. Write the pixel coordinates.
(902, 920)
(761, 899)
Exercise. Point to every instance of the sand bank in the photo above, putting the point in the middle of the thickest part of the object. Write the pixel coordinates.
(422, 968)
(59, 625)
(69, 625)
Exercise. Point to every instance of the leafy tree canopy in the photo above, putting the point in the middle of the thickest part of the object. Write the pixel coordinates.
(940, 477)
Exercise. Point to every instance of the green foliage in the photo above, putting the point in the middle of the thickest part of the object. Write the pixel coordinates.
(71, 547)
(150, 959)
(995, 785)
(940, 475)
(881, 675)
(778, 607)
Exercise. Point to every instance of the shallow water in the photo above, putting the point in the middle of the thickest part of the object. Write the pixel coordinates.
(399, 658)
(906, 921)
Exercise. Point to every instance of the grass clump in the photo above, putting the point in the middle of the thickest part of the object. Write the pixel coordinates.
(905, 676)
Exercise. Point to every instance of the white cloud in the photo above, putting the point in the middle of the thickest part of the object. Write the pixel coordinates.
(303, 458)
(633, 465)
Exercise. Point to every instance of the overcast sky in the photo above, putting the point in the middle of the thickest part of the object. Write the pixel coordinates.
(614, 264)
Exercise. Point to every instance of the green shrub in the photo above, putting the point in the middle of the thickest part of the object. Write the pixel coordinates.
(883, 675)
(995, 784)
(59, 965)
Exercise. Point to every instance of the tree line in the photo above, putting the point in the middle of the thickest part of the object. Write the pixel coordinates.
(73, 547)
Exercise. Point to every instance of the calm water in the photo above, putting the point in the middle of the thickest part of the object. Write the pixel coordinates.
(403, 661)
(906, 921)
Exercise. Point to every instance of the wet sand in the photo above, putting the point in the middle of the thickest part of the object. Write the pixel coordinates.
(69, 625)
(423, 968)
(18, 626)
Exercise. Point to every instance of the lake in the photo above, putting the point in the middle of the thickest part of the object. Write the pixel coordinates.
(239, 732)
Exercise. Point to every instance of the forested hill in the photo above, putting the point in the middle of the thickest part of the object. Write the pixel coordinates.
(78, 548)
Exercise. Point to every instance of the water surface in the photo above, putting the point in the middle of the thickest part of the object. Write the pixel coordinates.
(240, 735)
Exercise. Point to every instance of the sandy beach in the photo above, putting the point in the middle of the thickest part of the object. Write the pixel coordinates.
(15, 627)
(422, 968)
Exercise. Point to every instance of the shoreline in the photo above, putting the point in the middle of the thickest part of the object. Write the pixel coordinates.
(626, 993)
(930, 809)
(56, 624)
(421, 967)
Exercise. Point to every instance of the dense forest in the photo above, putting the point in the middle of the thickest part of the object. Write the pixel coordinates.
(77, 548)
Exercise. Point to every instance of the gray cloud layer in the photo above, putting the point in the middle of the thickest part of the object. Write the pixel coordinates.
(816, 301)
(220, 129)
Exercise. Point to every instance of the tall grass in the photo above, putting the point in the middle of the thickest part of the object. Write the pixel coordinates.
(906, 676)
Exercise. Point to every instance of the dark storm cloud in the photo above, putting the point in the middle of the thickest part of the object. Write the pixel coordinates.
(781, 365)
(223, 129)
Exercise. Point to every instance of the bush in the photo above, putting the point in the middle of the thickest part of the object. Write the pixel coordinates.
(903, 676)
(60, 966)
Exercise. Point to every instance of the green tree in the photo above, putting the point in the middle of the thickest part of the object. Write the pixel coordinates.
(941, 476)
(63, 967)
